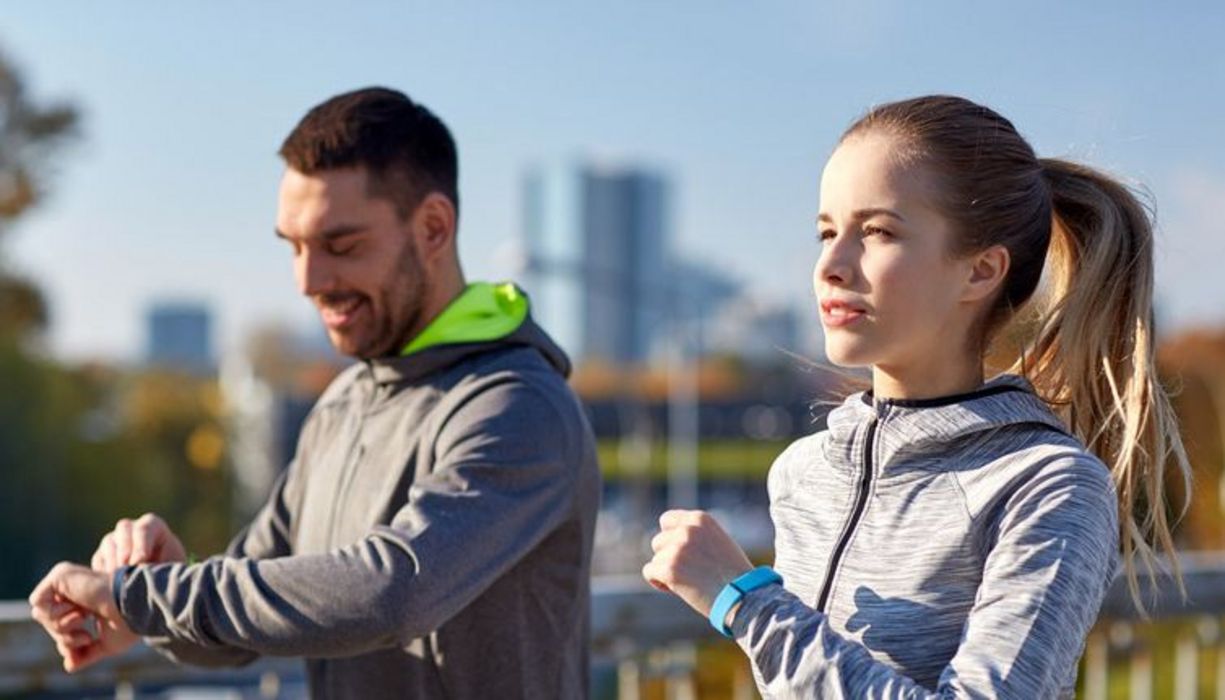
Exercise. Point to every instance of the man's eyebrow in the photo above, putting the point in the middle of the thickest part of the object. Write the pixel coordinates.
(330, 234)
(862, 214)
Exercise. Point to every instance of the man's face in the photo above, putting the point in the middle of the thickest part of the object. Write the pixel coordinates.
(355, 258)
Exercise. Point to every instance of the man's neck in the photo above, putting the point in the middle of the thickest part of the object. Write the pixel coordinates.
(446, 292)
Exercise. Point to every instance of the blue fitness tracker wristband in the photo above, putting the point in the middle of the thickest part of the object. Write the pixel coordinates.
(734, 591)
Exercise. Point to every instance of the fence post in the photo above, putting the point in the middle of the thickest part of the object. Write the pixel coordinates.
(270, 685)
(629, 679)
(1220, 672)
(682, 662)
(1186, 671)
(1141, 673)
(1097, 659)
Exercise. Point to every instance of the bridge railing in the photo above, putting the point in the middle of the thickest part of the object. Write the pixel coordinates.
(642, 638)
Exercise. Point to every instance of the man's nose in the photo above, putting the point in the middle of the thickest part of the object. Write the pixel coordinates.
(315, 272)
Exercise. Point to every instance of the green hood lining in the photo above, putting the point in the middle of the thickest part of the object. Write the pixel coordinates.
(482, 312)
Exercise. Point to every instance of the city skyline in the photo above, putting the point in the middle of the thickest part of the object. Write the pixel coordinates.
(601, 266)
(171, 190)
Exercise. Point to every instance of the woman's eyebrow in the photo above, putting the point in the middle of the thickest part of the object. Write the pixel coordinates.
(862, 214)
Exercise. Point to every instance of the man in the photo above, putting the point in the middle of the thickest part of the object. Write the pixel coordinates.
(432, 536)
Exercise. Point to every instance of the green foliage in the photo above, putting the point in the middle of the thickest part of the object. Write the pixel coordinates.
(717, 459)
(76, 455)
(30, 136)
(82, 447)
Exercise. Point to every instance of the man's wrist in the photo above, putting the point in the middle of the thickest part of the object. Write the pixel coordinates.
(117, 580)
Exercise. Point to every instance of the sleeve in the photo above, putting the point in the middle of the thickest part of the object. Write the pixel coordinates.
(267, 536)
(270, 532)
(1043, 582)
(503, 480)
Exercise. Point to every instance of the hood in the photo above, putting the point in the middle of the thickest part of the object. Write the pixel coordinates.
(483, 317)
(921, 426)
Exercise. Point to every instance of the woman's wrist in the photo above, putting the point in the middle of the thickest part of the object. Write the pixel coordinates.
(728, 602)
(730, 617)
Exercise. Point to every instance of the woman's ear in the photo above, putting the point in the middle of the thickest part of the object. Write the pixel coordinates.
(434, 225)
(988, 269)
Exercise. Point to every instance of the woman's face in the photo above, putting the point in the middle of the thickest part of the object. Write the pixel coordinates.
(890, 294)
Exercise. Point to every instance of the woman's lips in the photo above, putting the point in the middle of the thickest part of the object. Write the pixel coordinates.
(839, 314)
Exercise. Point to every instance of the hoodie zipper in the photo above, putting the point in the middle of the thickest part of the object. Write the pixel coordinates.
(350, 466)
(865, 485)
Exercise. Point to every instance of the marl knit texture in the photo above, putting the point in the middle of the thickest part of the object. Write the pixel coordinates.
(933, 549)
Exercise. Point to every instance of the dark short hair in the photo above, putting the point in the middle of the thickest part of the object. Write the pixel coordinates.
(407, 151)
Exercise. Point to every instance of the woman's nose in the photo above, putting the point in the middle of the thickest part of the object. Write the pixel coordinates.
(834, 266)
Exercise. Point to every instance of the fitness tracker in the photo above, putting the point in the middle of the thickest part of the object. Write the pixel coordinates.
(734, 591)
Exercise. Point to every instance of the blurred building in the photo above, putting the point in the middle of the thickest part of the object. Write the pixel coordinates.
(179, 337)
(596, 245)
(756, 330)
(269, 387)
(600, 267)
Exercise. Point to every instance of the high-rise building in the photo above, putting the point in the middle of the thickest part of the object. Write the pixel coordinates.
(600, 270)
(180, 337)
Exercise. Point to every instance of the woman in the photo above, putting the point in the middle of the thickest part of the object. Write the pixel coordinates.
(947, 536)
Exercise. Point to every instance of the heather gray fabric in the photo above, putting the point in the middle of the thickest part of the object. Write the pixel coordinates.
(431, 539)
(966, 543)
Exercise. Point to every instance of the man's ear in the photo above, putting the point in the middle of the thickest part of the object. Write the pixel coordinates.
(988, 269)
(433, 224)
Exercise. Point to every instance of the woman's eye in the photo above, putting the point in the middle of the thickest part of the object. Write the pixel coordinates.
(342, 250)
(825, 235)
(876, 230)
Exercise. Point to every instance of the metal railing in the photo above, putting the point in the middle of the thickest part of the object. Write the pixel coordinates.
(641, 637)
(1120, 653)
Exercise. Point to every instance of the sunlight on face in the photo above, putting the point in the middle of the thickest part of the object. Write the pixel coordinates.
(354, 258)
(887, 290)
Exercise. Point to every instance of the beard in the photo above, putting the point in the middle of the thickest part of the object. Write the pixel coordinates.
(394, 312)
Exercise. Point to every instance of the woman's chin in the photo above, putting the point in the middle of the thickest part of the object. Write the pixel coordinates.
(846, 357)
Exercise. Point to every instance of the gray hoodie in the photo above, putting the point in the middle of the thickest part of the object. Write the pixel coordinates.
(946, 548)
(431, 539)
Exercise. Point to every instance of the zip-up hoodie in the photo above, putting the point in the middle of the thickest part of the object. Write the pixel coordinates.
(431, 538)
(943, 548)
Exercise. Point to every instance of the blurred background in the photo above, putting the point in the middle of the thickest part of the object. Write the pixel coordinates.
(648, 172)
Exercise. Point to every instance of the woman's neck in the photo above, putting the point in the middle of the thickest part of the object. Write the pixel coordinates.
(929, 382)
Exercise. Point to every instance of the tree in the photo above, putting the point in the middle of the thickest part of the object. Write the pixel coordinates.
(31, 138)
(1193, 364)
(38, 403)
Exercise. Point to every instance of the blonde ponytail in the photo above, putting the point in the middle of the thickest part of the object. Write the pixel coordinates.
(1093, 358)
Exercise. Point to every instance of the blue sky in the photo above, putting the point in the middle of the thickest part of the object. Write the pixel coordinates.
(171, 192)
